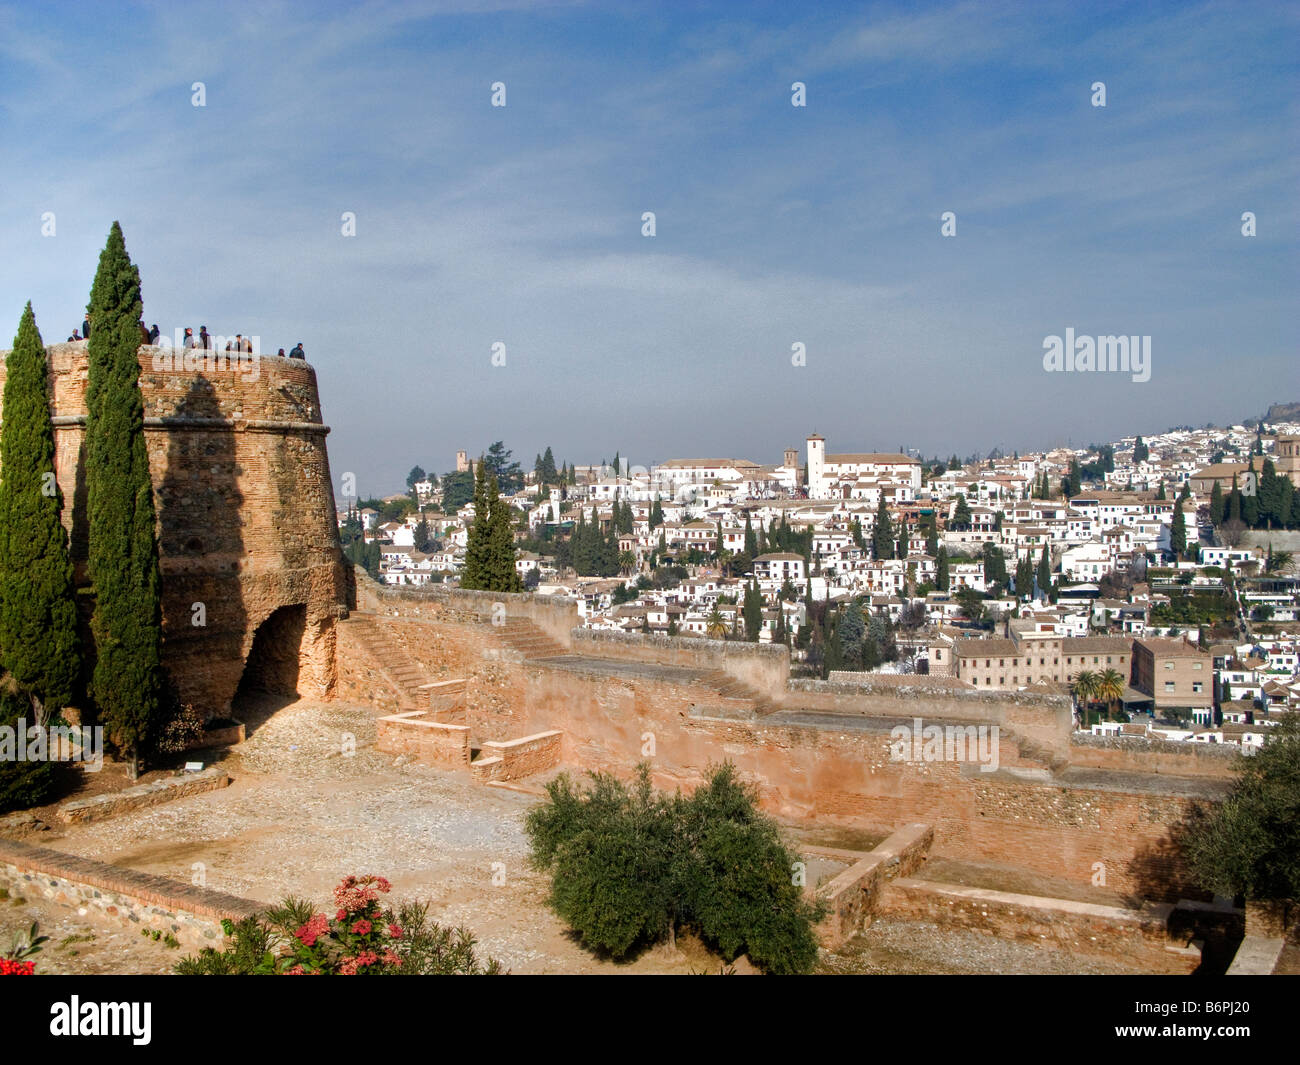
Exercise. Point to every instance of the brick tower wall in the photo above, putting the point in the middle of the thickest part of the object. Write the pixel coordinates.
(246, 514)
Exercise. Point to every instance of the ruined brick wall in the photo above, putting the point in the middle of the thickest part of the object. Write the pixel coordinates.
(246, 516)
(1024, 816)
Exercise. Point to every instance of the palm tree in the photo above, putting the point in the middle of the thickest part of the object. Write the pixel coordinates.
(1110, 690)
(1279, 562)
(1084, 689)
(715, 624)
(627, 562)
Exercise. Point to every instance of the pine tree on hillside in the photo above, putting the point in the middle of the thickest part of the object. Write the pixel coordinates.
(39, 646)
(128, 679)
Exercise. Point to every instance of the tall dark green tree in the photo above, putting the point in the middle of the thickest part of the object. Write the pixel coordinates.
(882, 536)
(753, 612)
(941, 569)
(1178, 530)
(961, 513)
(474, 574)
(127, 684)
(38, 615)
(1045, 572)
(1216, 504)
(502, 574)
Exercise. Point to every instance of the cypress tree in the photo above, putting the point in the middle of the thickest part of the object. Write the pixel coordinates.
(1045, 572)
(753, 611)
(1250, 503)
(38, 613)
(501, 573)
(123, 557)
(882, 536)
(1178, 530)
(1216, 504)
(941, 567)
(474, 575)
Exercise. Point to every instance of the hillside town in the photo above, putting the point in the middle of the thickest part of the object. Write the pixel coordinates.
(1152, 578)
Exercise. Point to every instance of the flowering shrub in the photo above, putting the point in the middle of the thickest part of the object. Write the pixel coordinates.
(24, 945)
(363, 938)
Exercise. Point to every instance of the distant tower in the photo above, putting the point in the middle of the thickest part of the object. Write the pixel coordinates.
(816, 466)
(1286, 458)
(555, 505)
(462, 462)
(792, 457)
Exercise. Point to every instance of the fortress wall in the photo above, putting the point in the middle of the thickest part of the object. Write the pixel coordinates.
(1140, 754)
(611, 720)
(246, 515)
(764, 667)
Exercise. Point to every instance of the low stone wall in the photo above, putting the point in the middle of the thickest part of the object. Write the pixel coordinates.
(447, 700)
(192, 914)
(1139, 936)
(764, 667)
(169, 789)
(555, 617)
(1145, 754)
(420, 738)
(1042, 717)
(515, 759)
(853, 897)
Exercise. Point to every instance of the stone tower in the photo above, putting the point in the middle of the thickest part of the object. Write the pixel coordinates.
(253, 577)
(816, 466)
(1287, 457)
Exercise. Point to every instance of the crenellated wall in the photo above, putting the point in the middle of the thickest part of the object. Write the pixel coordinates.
(246, 514)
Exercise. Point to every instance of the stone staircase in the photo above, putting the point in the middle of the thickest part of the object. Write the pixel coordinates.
(393, 661)
(526, 639)
(737, 694)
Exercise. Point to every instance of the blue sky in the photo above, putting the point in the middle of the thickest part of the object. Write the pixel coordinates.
(775, 224)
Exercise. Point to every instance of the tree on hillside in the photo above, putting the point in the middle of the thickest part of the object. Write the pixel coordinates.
(941, 569)
(416, 475)
(1044, 574)
(753, 612)
(882, 536)
(1140, 451)
(1178, 529)
(502, 575)
(961, 513)
(510, 477)
(474, 573)
(128, 679)
(457, 490)
(39, 645)
(1250, 845)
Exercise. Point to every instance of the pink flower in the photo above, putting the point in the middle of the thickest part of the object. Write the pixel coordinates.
(355, 894)
(313, 930)
(297, 970)
(391, 959)
(395, 931)
(340, 915)
(362, 927)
